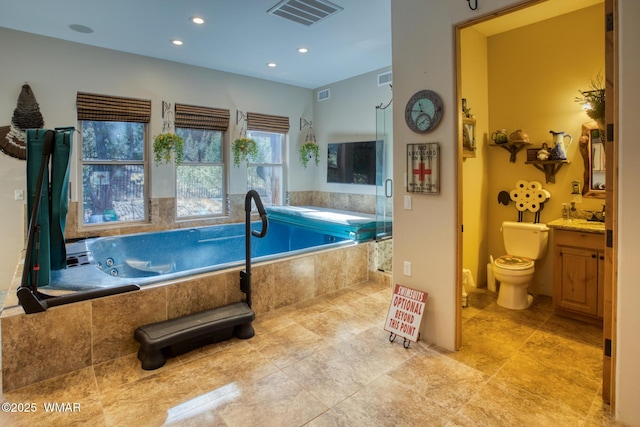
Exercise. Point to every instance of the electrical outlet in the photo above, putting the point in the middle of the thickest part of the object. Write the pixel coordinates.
(18, 195)
(407, 268)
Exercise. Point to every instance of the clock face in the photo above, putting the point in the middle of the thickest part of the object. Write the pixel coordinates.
(423, 111)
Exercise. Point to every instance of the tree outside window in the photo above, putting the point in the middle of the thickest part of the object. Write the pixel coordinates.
(200, 182)
(113, 171)
(265, 172)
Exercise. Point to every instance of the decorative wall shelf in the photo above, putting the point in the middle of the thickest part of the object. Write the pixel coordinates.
(512, 148)
(549, 167)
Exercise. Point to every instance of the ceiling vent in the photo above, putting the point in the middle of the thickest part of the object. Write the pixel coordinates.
(305, 12)
(385, 78)
(323, 94)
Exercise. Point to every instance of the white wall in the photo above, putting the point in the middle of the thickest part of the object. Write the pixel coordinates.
(57, 70)
(349, 115)
(423, 58)
(628, 343)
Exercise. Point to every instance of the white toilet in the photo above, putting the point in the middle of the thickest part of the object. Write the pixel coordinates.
(524, 242)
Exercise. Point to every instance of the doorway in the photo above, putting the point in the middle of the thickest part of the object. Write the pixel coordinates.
(497, 105)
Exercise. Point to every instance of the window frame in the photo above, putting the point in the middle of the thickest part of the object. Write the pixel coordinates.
(144, 162)
(281, 165)
(225, 178)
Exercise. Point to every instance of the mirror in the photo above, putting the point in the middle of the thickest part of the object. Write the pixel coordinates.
(592, 150)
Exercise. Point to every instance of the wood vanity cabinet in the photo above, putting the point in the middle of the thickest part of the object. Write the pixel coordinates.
(578, 270)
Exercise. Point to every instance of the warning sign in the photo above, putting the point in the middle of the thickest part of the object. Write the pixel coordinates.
(405, 312)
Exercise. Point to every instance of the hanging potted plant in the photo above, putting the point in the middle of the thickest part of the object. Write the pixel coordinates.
(243, 148)
(165, 144)
(310, 148)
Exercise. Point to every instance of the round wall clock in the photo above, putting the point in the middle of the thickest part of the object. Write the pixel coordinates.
(423, 111)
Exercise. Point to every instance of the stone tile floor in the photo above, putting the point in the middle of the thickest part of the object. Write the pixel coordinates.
(329, 362)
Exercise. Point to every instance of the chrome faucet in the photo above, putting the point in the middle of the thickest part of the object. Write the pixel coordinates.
(597, 216)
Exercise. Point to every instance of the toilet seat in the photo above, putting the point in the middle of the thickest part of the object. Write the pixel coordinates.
(514, 263)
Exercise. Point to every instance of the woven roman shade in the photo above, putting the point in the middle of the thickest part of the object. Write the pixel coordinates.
(108, 108)
(267, 123)
(207, 118)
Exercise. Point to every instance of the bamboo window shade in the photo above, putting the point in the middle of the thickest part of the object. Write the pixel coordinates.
(109, 108)
(267, 123)
(207, 118)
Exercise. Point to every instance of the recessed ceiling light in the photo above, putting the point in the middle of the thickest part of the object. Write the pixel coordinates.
(197, 20)
(272, 64)
(177, 42)
(303, 50)
(81, 28)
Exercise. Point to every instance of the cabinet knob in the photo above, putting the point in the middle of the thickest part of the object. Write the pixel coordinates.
(601, 257)
(593, 256)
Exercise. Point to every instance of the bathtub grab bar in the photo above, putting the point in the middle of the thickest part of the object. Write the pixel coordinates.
(178, 335)
(38, 302)
(245, 275)
(30, 266)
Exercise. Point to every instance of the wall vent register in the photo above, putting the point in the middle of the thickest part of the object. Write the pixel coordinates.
(305, 12)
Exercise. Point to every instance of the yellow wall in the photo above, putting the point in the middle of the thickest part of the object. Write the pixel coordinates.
(475, 182)
(534, 74)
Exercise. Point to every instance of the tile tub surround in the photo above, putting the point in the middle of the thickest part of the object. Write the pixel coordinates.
(328, 362)
(163, 213)
(72, 337)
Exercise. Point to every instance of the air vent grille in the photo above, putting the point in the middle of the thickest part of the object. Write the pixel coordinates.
(323, 94)
(305, 12)
(385, 78)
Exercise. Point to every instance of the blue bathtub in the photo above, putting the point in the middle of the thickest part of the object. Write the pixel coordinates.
(146, 258)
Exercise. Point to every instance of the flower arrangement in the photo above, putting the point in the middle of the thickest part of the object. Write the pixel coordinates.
(243, 148)
(166, 143)
(593, 101)
(307, 150)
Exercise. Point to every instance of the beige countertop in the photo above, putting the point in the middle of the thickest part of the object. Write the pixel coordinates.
(577, 225)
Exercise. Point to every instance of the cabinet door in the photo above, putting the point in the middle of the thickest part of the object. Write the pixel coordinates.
(578, 290)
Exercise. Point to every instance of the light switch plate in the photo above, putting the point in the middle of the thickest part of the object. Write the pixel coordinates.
(407, 202)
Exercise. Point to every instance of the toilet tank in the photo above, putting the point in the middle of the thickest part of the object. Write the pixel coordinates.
(525, 239)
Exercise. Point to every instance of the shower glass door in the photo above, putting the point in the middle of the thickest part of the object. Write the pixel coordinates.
(384, 172)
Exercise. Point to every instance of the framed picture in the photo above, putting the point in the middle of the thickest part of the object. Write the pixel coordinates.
(423, 168)
(468, 137)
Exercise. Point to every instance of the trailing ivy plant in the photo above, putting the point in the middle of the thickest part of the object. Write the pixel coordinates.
(308, 150)
(165, 144)
(243, 149)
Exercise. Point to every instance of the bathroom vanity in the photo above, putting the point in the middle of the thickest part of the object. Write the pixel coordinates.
(578, 269)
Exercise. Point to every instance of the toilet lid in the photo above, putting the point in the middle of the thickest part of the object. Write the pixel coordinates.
(513, 262)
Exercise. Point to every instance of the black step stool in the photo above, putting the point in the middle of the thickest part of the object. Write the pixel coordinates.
(176, 336)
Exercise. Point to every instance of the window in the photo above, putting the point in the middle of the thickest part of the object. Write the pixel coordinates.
(200, 178)
(113, 184)
(264, 173)
(112, 158)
